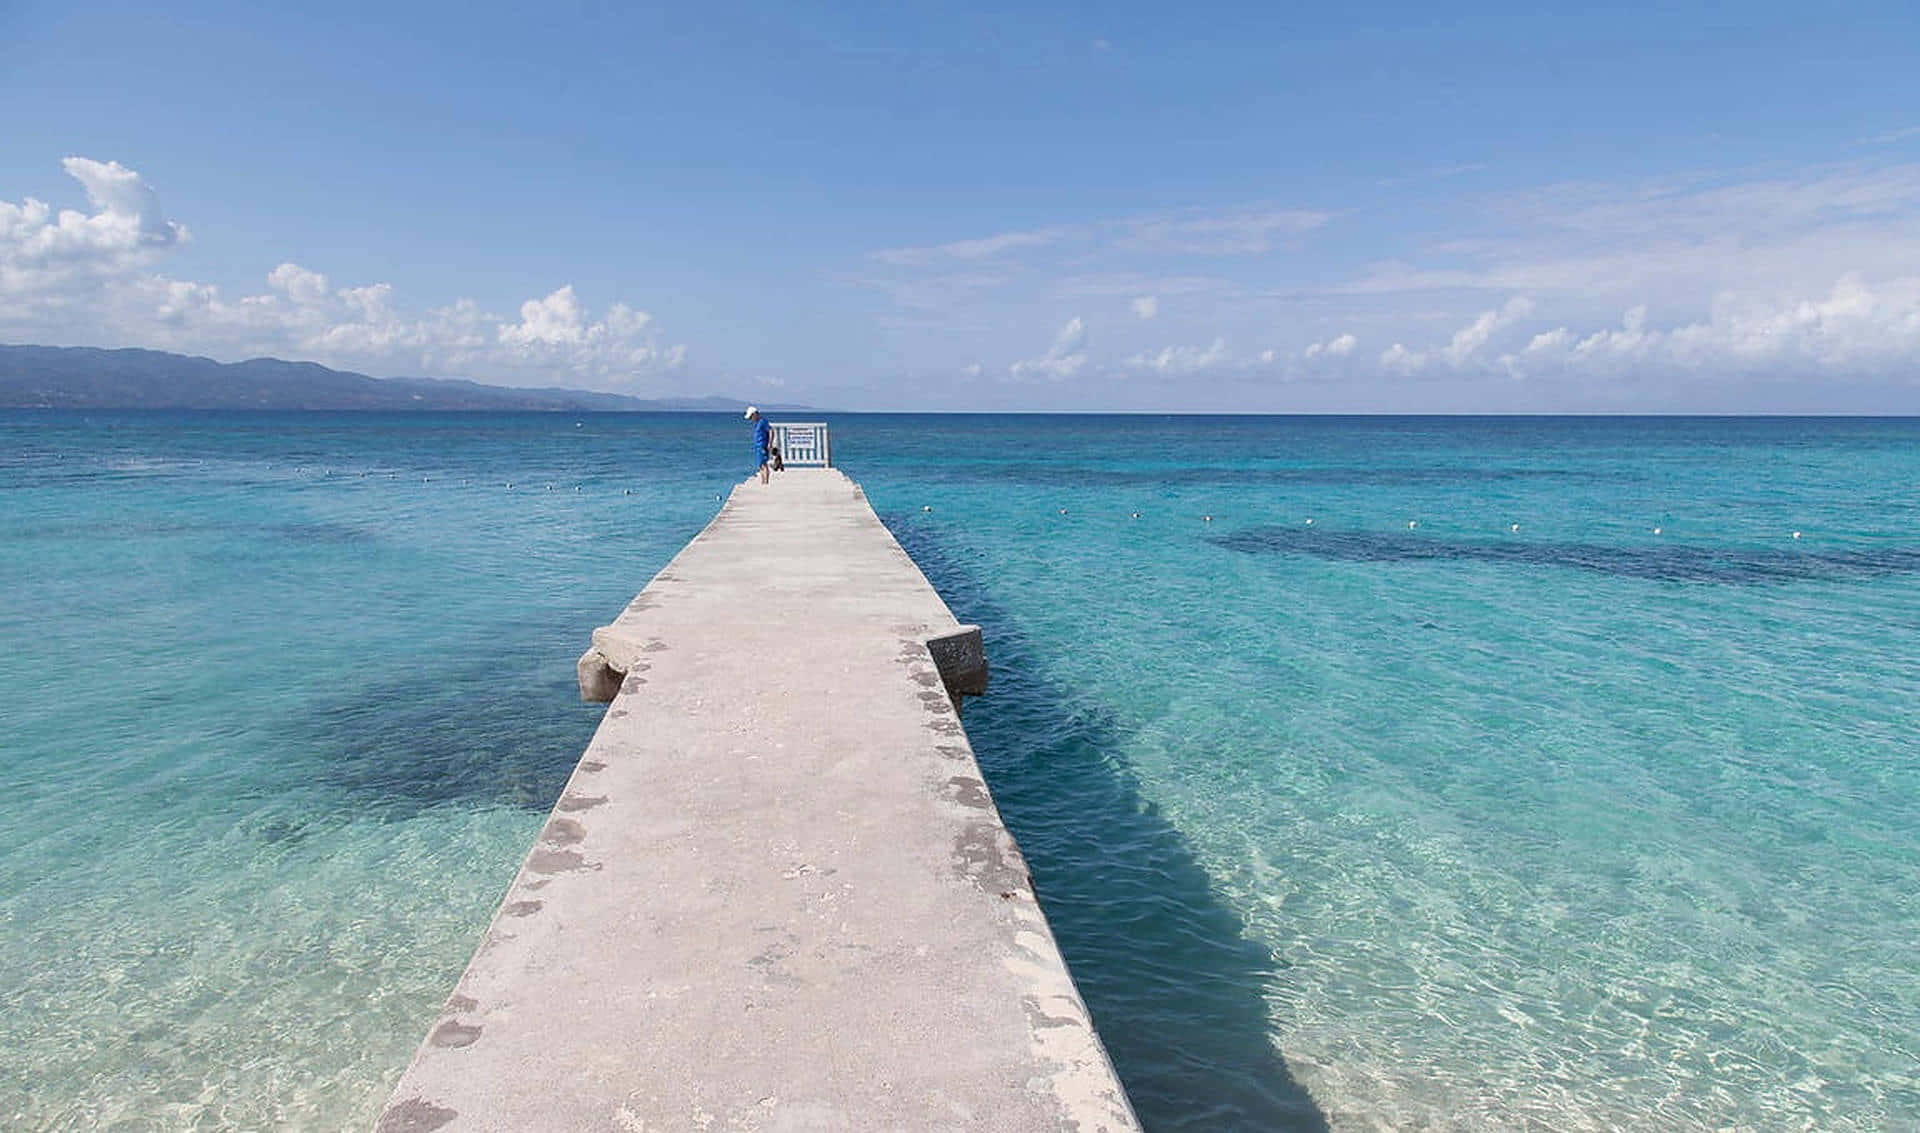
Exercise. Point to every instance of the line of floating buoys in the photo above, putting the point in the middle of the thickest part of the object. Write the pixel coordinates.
(1412, 524)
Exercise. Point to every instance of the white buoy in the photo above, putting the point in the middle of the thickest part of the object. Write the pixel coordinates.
(1656, 531)
(1412, 523)
(1309, 521)
(1135, 515)
(1207, 518)
(1063, 511)
(1796, 535)
(926, 507)
(628, 492)
(1513, 527)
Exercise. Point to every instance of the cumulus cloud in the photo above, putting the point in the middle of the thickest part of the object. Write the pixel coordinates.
(1332, 348)
(44, 252)
(1464, 347)
(1723, 274)
(1182, 359)
(1062, 360)
(89, 278)
(1468, 340)
(1854, 330)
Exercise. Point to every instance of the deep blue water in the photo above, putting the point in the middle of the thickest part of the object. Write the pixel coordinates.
(1379, 773)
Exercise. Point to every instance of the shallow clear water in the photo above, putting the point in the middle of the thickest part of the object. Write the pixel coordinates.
(1352, 823)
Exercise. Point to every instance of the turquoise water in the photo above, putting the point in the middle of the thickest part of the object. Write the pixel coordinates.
(1352, 823)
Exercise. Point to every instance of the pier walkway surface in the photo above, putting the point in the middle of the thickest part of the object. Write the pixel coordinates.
(775, 894)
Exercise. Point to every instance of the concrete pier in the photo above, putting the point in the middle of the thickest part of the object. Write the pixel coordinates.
(775, 894)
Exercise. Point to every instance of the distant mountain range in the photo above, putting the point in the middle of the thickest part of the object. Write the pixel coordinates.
(69, 377)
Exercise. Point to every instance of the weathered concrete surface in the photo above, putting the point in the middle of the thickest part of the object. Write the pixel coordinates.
(775, 894)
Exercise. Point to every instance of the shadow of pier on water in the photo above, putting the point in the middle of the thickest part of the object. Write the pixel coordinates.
(1175, 986)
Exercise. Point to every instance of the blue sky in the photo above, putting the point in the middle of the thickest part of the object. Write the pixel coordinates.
(1380, 207)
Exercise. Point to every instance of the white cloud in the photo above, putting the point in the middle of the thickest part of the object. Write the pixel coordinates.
(89, 279)
(1548, 340)
(1182, 359)
(1671, 242)
(1722, 274)
(44, 253)
(1468, 340)
(1062, 360)
(1465, 345)
(303, 287)
(981, 248)
(1220, 232)
(1397, 359)
(1332, 348)
(1852, 331)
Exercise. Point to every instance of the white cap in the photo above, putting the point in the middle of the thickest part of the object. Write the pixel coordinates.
(751, 410)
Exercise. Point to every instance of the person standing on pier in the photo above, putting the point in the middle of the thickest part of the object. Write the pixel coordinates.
(762, 439)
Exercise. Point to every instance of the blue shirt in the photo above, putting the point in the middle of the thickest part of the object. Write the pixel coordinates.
(762, 434)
